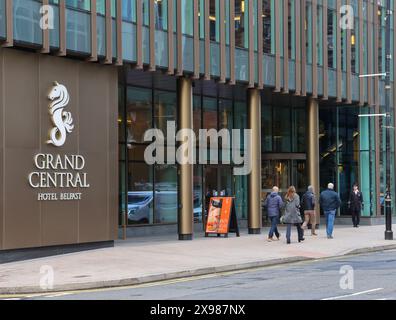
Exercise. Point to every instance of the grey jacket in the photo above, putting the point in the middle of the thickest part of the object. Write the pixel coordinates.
(291, 213)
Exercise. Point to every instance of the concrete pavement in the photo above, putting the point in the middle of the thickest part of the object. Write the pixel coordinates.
(145, 260)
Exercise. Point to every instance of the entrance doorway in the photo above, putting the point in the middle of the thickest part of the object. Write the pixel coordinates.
(284, 173)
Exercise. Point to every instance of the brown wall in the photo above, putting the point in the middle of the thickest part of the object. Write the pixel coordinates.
(25, 80)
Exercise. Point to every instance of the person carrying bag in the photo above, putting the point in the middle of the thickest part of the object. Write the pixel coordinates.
(291, 214)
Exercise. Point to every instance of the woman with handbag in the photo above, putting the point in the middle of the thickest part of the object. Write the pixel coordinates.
(292, 214)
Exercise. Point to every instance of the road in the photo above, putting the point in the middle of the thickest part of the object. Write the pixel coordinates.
(374, 278)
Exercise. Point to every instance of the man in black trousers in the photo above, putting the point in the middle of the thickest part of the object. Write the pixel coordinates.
(355, 205)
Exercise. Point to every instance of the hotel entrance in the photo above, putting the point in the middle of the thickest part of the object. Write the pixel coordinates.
(284, 173)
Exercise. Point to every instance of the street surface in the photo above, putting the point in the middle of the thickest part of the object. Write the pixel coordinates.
(374, 278)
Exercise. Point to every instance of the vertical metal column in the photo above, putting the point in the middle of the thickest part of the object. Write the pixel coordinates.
(254, 204)
(185, 171)
(313, 148)
(388, 197)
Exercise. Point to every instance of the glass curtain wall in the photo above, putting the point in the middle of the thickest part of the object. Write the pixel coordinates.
(347, 154)
(147, 192)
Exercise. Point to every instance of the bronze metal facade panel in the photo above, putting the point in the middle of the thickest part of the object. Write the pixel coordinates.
(139, 34)
(260, 44)
(325, 53)
(171, 51)
(207, 40)
(196, 40)
(277, 48)
(62, 28)
(376, 63)
(179, 34)
(152, 36)
(94, 37)
(370, 50)
(186, 176)
(251, 45)
(254, 178)
(109, 34)
(119, 60)
(46, 44)
(314, 75)
(361, 56)
(10, 24)
(298, 47)
(313, 149)
(303, 49)
(232, 43)
(93, 103)
(222, 42)
(286, 46)
(339, 62)
(349, 64)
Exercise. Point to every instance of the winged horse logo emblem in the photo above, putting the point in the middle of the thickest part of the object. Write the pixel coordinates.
(61, 119)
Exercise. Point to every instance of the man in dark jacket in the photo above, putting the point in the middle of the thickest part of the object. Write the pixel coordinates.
(355, 205)
(330, 202)
(308, 207)
(273, 203)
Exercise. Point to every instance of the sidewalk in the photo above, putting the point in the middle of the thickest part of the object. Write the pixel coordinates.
(151, 259)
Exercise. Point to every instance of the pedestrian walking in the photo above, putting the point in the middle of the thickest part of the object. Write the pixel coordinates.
(355, 205)
(292, 214)
(274, 204)
(330, 202)
(308, 207)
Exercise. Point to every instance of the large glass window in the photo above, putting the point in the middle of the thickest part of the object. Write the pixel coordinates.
(214, 17)
(79, 4)
(345, 157)
(308, 31)
(332, 39)
(188, 17)
(161, 14)
(319, 35)
(292, 29)
(151, 189)
(241, 23)
(268, 26)
(129, 10)
(283, 124)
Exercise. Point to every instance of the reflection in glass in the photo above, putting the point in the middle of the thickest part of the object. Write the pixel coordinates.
(198, 192)
(241, 24)
(165, 109)
(165, 194)
(140, 193)
(268, 27)
(281, 129)
(139, 114)
(275, 173)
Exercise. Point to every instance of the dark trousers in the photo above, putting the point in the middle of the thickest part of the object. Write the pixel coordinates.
(355, 216)
(300, 231)
(274, 227)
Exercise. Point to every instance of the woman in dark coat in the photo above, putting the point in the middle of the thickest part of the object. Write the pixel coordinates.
(355, 205)
(292, 214)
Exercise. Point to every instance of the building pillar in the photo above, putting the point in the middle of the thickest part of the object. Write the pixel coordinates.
(313, 151)
(254, 194)
(185, 171)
